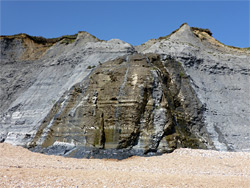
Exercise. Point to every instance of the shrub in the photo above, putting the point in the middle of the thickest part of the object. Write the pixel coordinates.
(182, 74)
(91, 67)
(202, 30)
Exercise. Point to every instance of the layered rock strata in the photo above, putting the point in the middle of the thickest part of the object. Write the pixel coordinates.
(30, 88)
(219, 75)
(133, 105)
(79, 96)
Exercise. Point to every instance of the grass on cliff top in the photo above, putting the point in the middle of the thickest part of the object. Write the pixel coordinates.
(233, 47)
(192, 28)
(210, 33)
(202, 30)
(167, 36)
(42, 40)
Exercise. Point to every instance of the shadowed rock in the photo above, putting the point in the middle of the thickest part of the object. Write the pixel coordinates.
(134, 105)
(219, 75)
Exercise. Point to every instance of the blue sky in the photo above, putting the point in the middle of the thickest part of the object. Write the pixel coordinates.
(132, 21)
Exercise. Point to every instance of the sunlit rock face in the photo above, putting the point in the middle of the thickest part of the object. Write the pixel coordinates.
(33, 85)
(79, 96)
(219, 75)
(133, 105)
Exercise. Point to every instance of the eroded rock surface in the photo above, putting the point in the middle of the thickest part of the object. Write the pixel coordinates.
(220, 76)
(133, 105)
(79, 96)
(34, 86)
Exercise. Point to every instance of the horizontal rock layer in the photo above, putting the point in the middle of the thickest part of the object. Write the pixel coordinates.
(219, 75)
(142, 104)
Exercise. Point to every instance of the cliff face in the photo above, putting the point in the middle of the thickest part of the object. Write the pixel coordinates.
(81, 97)
(219, 75)
(133, 105)
(36, 85)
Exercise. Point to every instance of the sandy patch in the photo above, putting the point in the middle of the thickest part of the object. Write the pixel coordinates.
(183, 168)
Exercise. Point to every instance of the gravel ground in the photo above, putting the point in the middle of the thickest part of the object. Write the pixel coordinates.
(183, 168)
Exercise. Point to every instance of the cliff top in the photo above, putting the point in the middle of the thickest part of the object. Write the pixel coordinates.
(201, 33)
(194, 36)
(43, 40)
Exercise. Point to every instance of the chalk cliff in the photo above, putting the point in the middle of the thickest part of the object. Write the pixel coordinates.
(79, 96)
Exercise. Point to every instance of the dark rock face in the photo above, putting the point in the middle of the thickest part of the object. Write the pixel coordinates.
(133, 105)
(219, 75)
(82, 97)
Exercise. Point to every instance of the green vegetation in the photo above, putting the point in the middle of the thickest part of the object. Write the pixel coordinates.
(179, 63)
(53, 101)
(167, 36)
(210, 33)
(190, 44)
(182, 74)
(236, 48)
(49, 41)
(202, 30)
(67, 41)
(164, 37)
(91, 67)
(42, 40)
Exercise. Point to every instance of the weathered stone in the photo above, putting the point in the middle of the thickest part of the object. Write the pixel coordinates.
(127, 103)
(36, 85)
(78, 96)
(219, 75)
